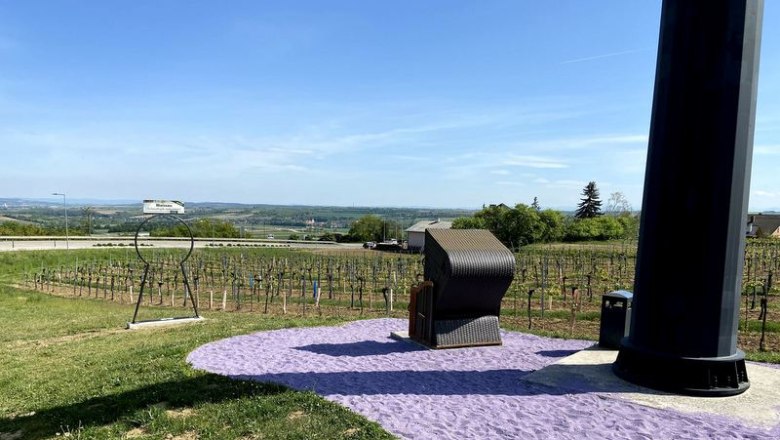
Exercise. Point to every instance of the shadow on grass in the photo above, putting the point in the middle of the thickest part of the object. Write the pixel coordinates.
(107, 410)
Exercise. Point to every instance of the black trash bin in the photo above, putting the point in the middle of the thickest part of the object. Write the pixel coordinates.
(615, 318)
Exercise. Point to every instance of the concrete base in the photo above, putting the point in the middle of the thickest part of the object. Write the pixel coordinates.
(403, 336)
(590, 370)
(165, 322)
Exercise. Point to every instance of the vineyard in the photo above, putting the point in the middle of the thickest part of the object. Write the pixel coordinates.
(556, 290)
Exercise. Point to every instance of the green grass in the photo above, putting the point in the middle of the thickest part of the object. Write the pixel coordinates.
(16, 264)
(70, 368)
(605, 247)
(755, 326)
(771, 357)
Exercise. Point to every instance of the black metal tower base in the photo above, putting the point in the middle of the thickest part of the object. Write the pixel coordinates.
(683, 335)
(693, 376)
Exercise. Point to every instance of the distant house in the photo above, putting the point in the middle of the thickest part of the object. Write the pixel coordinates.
(416, 232)
(763, 225)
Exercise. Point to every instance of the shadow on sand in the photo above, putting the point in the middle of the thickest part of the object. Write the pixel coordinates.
(362, 348)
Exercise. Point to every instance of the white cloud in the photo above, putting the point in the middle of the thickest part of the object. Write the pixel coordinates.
(767, 150)
(408, 158)
(324, 142)
(767, 121)
(556, 154)
(628, 161)
(762, 200)
(470, 164)
(533, 162)
(620, 139)
(606, 55)
(568, 184)
(581, 142)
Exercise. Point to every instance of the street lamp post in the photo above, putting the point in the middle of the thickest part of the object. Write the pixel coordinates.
(65, 205)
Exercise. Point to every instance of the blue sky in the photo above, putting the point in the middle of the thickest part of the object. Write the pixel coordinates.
(402, 103)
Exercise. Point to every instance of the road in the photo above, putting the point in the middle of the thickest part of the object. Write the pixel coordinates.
(8, 244)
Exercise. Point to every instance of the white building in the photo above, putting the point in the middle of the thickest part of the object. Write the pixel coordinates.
(416, 232)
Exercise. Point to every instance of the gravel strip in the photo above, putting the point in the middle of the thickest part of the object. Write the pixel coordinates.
(470, 393)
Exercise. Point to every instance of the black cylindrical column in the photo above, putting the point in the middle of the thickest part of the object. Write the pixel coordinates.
(683, 335)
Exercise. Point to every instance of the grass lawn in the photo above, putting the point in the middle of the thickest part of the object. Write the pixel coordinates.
(71, 370)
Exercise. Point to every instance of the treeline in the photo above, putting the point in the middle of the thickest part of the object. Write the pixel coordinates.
(200, 228)
(24, 229)
(204, 227)
(369, 227)
(523, 225)
(373, 228)
(333, 217)
(123, 219)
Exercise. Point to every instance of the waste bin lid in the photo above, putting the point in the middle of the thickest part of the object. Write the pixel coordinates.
(625, 294)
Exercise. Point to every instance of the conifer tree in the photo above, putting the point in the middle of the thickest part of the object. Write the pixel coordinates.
(590, 204)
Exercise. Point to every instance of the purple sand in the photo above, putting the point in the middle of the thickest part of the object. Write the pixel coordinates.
(469, 393)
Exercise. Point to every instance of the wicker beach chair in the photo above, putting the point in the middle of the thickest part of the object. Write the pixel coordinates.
(467, 273)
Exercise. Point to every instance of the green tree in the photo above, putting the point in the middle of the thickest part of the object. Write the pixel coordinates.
(208, 227)
(581, 230)
(86, 219)
(554, 228)
(535, 204)
(204, 227)
(590, 204)
(468, 223)
(492, 218)
(372, 228)
(516, 226)
(521, 226)
(328, 236)
(630, 223)
(619, 207)
(12, 228)
(594, 228)
(609, 228)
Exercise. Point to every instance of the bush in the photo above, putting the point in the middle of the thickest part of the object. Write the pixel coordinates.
(594, 228)
(516, 226)
(204, 227)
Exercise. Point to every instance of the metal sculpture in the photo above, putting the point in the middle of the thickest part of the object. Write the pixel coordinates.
(185, 280)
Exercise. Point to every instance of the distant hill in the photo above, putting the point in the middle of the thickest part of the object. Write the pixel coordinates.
(122, 216)
(10, 219)
(57, 201)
